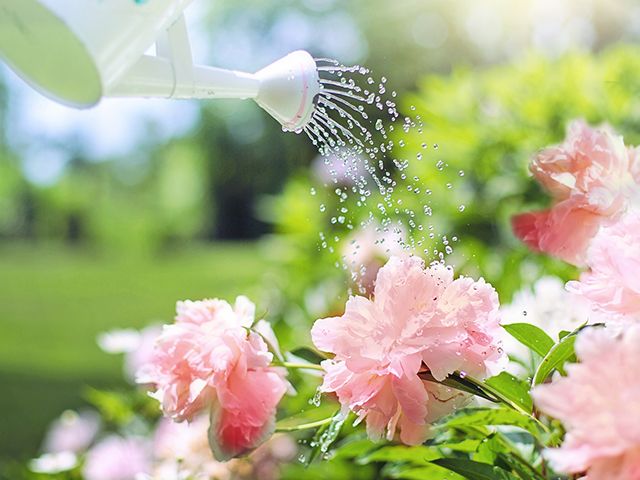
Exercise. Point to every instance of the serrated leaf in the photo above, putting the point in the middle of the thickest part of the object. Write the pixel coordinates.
(512, 388)
(555, 359)
(530, 336)
(474, 470)
(494, 416)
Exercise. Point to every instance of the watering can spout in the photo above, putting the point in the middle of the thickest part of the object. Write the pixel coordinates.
(286, 89)
(155, 77)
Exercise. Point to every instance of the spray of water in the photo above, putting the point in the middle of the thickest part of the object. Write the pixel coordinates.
(353, 128)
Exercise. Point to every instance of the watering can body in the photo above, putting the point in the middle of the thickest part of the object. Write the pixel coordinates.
(77, 51)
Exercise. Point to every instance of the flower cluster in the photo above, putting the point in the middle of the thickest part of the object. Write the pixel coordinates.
(420, 320)
(591, 179)
(595, 222)
(212, 360)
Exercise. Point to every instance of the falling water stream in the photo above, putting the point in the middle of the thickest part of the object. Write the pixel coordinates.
(357, 124)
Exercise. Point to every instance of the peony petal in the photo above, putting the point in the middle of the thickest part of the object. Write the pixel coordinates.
(229, 437)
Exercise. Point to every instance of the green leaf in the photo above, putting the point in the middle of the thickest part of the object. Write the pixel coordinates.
(488, 450)
(474, 470)
(114, 406)
(466, 445)
(510, 387)
(352, 448)
(309, 354)
(555, 359)
(459, 382)
(428, 472)
(530, 336)
(418, 455)
(494, 416)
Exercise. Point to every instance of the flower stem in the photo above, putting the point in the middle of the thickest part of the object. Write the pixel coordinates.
(305, 426)
(302, 366)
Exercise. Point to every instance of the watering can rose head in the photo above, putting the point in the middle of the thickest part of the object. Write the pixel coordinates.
(420, 319)
(210, 360)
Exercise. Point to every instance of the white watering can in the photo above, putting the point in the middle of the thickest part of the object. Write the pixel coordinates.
(78, 51)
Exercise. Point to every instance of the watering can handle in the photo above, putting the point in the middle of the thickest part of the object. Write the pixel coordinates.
(175, 46)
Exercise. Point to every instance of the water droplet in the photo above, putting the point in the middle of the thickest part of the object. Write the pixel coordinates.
(461, 208)
(317, 397)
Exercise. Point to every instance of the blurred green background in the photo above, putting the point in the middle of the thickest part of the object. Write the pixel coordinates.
(107, 217)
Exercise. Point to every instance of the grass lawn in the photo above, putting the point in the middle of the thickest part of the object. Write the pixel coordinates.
(54, 301)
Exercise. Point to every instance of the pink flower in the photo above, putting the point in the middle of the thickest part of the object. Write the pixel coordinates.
(117, 458)
(137, 346)
(589, 177)
(181, 450)
(612, 284)
(598, 404)
(418, 316)
(563, 231)
(210, 360)
(72, 432)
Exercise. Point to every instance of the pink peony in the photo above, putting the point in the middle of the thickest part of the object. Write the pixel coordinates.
(117, 458)
(589, 177)
(419, 319)
(181, 450)
(210, 360)
(598, 404)
(137, 346)
(612, 284)
(72, 432)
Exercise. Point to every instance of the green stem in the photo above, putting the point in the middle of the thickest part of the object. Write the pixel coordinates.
(305, 426)
(301, 366)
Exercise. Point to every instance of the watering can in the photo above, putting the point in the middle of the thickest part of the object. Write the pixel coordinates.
(79, 51)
